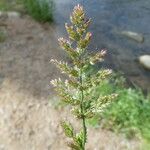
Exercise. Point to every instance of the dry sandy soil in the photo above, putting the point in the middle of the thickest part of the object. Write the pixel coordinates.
(28, 119)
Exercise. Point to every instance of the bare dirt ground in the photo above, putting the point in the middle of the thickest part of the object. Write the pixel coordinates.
(28, 119)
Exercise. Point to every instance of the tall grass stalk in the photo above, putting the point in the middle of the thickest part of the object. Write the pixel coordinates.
(76, 90)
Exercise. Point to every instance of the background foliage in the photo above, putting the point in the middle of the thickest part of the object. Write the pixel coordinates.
(41, 10)
(129, 114)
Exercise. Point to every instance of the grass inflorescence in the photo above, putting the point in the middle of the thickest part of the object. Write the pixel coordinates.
(77, 90)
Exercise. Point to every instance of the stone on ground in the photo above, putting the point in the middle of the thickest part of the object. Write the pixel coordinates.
(145, 61)
(133, 35)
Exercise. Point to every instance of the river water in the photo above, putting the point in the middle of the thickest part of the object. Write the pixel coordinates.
(109, 19)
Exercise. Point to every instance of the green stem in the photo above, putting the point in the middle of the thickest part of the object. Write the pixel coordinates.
(82, 112)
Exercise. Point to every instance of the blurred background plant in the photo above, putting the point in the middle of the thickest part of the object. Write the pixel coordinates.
(2, 36)
(9, 5)
(129, 114)
(40, 10)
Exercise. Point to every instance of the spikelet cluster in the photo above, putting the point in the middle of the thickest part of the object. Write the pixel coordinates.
(76, 91)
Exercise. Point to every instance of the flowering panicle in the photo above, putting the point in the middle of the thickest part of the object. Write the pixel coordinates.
(83, 43)
(66, 45)
(73, 35)
(78, 16)
(97, 78)
(63, 66)
(77, 91)
(102, 103)
(98, 57)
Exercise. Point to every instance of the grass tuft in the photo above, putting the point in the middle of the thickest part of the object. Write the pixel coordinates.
(40, 10)
(2, 36)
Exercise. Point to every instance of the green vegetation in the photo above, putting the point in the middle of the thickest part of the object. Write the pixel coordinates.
(40, 10)
(76, 91)
(4, 5)
(2, 36)
(7, 5)
(129, 114)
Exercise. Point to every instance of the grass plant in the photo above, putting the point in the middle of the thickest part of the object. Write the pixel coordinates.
(40, 10)
(77, 90)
